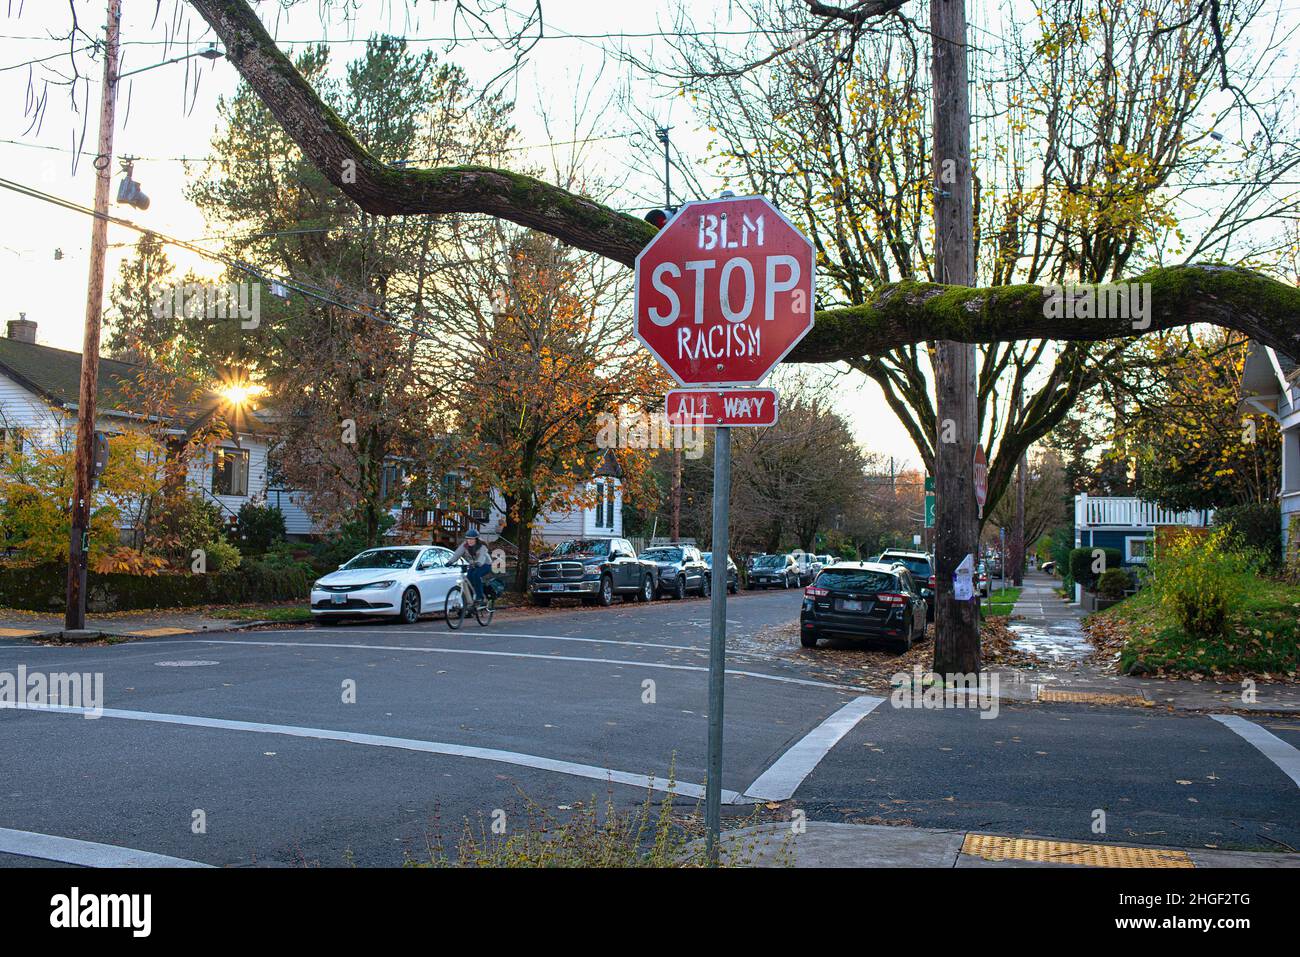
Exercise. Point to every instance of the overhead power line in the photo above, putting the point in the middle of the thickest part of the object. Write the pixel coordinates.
(310, 290)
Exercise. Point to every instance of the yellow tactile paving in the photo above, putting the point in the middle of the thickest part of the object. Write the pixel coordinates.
(156, 632)
(993, 848)
(17, 632)
(1092, 697)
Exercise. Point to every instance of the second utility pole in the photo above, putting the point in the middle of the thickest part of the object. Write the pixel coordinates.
(74, 618)
(661, 133)
(956, 528)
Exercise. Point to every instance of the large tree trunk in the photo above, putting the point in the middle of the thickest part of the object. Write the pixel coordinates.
(957, 631)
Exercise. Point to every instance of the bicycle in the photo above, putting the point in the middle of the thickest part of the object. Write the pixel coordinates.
(460, 598)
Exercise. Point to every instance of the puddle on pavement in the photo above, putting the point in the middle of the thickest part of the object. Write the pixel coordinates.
(1059, 641)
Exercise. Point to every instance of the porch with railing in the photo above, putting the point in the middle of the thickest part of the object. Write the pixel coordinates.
(447, 522)
(1132, 512)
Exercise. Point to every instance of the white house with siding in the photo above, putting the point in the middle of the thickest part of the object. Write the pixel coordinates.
(39, 389)
(1270, 382)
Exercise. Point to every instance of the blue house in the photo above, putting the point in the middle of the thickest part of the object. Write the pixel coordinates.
(1127, 524)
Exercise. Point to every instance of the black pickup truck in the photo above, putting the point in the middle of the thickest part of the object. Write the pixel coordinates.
(595, 570)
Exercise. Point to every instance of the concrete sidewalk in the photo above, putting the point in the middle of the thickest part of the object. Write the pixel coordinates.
(19, 626)
(1051, 628)
(829, 844)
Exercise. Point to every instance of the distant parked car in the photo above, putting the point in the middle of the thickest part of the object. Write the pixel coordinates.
(921, 565)
(399, 582)
(863, 600)
(681, 569)
(982, 577)
(773, 570)
(733, 573)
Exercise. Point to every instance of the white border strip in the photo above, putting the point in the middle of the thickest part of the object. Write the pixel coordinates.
(67, 850)
(783, 778)
(408, 744)
(522, 654)
(1268, 744)
(510, 634)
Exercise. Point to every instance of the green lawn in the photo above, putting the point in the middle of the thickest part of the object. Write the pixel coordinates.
(1262, 637)
(1000, 602)
(282, 613)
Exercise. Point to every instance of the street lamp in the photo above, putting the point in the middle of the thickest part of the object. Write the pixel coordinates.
(210, 52)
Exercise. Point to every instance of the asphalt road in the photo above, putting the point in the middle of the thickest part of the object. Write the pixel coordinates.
(253, 735)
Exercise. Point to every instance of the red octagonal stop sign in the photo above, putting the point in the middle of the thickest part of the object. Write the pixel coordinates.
(724, 291)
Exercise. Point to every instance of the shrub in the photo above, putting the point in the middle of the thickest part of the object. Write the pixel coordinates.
(183, 523)
(1257, 526)
(289, 555)
(1083, 559)
(1113, 583)
(1200, 582)
(351, 538)
(221, 556)
(259, 528)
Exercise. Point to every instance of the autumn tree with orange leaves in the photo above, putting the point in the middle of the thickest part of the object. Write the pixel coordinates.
(539, 354)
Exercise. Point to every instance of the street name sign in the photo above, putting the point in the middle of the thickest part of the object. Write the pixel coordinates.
(712, 408)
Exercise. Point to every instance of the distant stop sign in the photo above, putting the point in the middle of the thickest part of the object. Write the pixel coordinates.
(724, 291)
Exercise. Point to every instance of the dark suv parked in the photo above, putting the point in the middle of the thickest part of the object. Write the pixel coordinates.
(921, 565)
(681, 569)
(863, 600)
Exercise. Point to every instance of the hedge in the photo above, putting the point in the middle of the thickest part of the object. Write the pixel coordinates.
(1081, 560)
(43, 588)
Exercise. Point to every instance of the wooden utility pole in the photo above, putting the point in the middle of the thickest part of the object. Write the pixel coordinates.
(79, 543)
(956, 527)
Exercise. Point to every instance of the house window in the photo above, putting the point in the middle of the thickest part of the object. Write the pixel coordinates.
(609, 507)
(1137, 549)
(1291, 460)
(600, 504)
(230, 472)
(390, 482)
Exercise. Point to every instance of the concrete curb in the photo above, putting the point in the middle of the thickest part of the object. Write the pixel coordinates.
(87, 635)
(834, 844)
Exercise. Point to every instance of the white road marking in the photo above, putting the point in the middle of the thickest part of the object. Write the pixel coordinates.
(407, 744)
(66, 850)
(783, 778)
(523, 654)
(507, 634)
(1268, 744)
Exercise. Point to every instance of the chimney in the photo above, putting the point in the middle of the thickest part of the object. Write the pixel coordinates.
(22, 329)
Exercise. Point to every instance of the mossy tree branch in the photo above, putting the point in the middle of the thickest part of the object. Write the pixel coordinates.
(908, 312)
(895, 315)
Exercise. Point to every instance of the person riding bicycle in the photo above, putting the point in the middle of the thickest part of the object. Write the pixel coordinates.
(480, 562)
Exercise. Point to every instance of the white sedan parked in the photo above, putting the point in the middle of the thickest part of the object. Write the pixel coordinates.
(402, 582)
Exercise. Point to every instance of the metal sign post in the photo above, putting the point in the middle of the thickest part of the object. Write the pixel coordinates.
(723, 292)
(717, 637)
